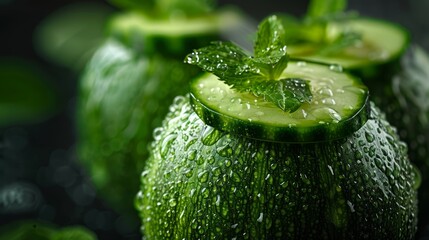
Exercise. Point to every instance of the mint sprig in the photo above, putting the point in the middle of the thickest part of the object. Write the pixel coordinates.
(313, 28)
(257, 74)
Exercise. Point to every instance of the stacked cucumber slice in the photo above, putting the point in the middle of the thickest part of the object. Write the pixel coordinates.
(339, 107)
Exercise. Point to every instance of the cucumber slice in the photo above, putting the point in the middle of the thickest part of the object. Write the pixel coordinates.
(381, 42)
(339, 107)
(176, 35)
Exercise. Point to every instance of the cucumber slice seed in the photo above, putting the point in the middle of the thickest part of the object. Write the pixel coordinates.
(339, 107)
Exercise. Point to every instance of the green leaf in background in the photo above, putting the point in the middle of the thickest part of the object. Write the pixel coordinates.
(321, 8)
(256, 74)
(34, 230)
(70, 35)
(25, 94)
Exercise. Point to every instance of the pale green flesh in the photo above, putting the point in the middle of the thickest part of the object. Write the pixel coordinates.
(177, 26)
(380, 43)
(337, 97)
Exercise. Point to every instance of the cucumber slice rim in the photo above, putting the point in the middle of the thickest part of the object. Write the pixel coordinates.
(288, 133)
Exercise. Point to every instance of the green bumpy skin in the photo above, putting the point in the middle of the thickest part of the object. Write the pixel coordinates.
(123, 97)
(405, 102)
(201, 183)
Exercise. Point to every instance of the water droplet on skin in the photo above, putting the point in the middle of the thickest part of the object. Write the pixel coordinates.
(351, 206)
(211, 160)
(189, 173)
(179, 100)
(331, 170)
(192, 155)
(203, 176)
(217, 200)
(194, 224)
(157, 132)
(224, 211)
(227, 163)
(236, 178)
(273, 166)
(172, 202)
(211, 135)
(260, 218)
(216, 171)
(200, 161)
(305, 179)
(369, 137)
(224, 151)
(166, 144)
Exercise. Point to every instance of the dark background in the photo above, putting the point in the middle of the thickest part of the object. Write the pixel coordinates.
(39, 176)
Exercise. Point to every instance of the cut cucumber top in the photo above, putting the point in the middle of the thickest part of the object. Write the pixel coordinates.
(174, 27)
(381, 42)
(338, 108)
(173, 36)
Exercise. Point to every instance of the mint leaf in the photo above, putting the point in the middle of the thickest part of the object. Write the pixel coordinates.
(325, 26)
(256, 74)
(321, 8)
(288, 94)
(270, 48)
(227, 61)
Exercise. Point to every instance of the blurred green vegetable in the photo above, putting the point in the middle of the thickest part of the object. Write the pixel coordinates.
(126, 89)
